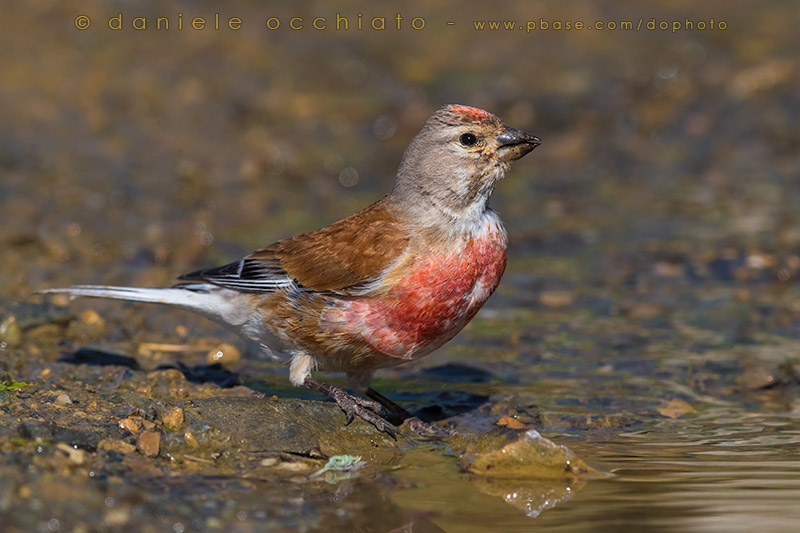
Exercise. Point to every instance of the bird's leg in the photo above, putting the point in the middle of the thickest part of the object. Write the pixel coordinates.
(423, 429)
(353, 405)
(395, 410)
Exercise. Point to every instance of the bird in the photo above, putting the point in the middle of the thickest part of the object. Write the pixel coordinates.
(382, 287)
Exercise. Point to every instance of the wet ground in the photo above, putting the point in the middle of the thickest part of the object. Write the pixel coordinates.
(647, 326)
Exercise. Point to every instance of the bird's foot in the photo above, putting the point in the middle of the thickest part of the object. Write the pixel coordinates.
(354, 406)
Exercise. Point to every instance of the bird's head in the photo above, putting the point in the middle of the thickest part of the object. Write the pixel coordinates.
(457, 158)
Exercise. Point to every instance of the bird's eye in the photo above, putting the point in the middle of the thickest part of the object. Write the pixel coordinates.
(468, 139)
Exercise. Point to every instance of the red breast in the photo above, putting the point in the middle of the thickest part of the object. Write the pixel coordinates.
(433, 297)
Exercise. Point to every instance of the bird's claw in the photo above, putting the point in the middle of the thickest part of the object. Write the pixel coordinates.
(353, 407)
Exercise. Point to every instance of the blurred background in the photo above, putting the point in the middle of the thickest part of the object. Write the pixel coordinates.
(654, 239)
(132, 156)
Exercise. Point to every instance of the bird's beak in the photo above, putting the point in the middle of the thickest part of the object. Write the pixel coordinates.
(513, 144)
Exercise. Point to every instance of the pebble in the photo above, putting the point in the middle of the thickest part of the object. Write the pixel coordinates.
(116, 445)
(117, 517)
(89, 325)
(33, 429)
(511, 422)
(134, 425)
(556, 298)
(90, 317)
(76, 455)
(224, 353)
(148, 443)
(173, 419)
(676, 408)
(63, 399)
(765, 375)
(10, 332)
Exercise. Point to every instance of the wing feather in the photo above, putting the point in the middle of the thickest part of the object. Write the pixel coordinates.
(346, 255)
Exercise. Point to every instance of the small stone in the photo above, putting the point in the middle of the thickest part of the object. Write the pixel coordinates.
(90, 317)
(173, 419)
(556, 298)
(33, 429)
(224, 353)
(190, 438)
(148, 443)
(60, 300)
(117, 517)
(511, 422)
(89, 325)
(269, 461)
(525, 455)
(643, 310)
(134, 425)
(116, 445)
(10, 332)
(168, 377)
(676, 408)
(295, 466)
(764, 375)
(63, 399)
(76, 456)
(182, 332)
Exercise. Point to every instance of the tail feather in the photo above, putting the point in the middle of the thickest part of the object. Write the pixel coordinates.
(218, 304)
(191, 299)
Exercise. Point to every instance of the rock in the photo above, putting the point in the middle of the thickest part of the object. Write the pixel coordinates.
(288, 425)
(117, 517)
(173, 419)
(82, 438)
(10, 332)
(90, 325)
(90, 317)
(510, 422)
(148, 443)
(76, 456)
(63, 399)
(170, 378)
(514, 455)
(116, 445)
(224, 353)
(132, 424)
(33, 429)
(556, 298)
(761, 375)
(676, 408)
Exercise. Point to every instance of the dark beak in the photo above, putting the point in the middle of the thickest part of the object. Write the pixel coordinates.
(513, 144)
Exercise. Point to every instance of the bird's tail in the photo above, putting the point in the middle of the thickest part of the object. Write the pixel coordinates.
(221, 305)
(183, 297)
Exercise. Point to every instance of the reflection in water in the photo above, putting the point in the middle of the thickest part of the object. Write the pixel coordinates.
(530, 497)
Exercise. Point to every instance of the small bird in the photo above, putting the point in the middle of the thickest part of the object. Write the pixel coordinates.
(379, 288)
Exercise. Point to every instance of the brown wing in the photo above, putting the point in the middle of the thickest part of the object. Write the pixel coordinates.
(348, 253)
